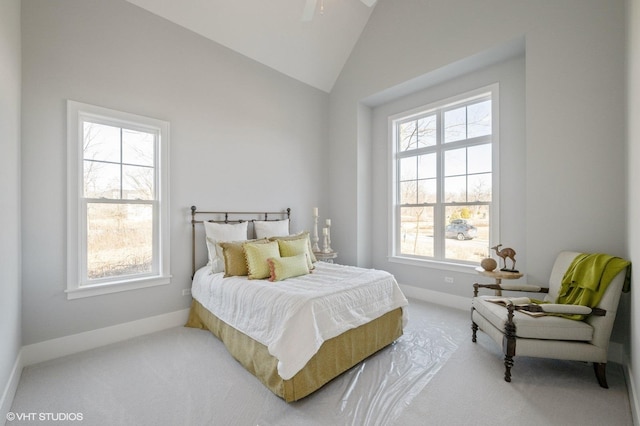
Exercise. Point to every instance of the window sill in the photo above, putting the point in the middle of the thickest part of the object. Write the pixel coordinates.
(116, 287)
(434, 264)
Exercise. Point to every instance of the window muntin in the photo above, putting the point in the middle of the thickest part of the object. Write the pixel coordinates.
(119, 167)
(443, 162)
(417, 133)
(118, 201)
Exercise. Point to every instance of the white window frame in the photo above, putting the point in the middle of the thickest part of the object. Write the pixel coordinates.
(77, 285)
(394, 254)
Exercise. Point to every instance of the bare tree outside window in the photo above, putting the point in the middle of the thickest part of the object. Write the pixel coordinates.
(118, 201)
(443, 181)
(119, 190)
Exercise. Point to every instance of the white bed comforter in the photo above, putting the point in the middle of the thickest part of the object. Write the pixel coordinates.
(292, 318)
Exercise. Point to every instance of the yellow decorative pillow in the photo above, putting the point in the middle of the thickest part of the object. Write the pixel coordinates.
(290, 248)
(303, 236)
(257, 255)
(282, 268)
(235, 262)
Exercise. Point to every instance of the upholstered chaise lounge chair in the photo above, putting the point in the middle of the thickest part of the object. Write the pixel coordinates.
(550, 336)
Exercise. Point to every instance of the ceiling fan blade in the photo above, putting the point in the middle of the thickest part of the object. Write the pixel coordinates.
(369, 2)
(309, 10)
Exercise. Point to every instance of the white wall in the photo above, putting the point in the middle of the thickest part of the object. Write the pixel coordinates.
(10, 305)
(243, 137)
(633, 177)
(574, 186)
(229, 115)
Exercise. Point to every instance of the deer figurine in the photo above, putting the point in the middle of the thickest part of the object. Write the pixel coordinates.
(504, 253)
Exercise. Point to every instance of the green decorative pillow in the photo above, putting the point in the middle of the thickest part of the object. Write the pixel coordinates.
(302, 235)
(290, 248)
(257, 255)
(235, 261)
(282, 268)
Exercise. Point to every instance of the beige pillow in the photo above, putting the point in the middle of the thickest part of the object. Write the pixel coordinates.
(235, 261)
(282, 268)
(290, 248)
(257, 255)
(302, 235)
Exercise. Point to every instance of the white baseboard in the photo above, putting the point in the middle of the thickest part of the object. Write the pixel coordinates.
(631, 390)
(67, 345)
(437, 297)
(55, 348)
(11, 387)
(615, 353)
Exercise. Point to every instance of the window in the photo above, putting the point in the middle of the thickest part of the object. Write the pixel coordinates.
(118, 234)
(443, 179)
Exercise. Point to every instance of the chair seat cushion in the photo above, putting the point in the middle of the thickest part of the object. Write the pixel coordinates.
(542, 327)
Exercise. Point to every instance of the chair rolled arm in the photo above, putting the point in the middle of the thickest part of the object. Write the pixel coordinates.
(477, 286)
(491, 286)
(524, 287)
(510, 287)
(558, 308)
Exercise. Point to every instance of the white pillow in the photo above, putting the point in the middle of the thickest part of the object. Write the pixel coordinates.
(218, 233)
(273, 228)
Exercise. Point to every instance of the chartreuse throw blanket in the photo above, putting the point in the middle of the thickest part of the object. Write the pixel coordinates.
(587, 279)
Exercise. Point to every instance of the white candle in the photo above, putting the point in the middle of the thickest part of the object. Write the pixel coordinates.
(328, 222)
(325, 231)
(315, 211)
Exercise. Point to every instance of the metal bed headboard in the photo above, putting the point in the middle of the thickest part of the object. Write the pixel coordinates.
(230, 217)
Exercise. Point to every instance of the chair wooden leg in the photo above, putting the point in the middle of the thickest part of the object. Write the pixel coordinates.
(600, 369)
(509, 349)
(509, 343)
(474, 327)
(508, 363)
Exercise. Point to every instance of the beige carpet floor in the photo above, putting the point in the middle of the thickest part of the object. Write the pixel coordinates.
(433, 375)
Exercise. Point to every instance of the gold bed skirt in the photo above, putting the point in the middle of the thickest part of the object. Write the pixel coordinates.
(334, 357)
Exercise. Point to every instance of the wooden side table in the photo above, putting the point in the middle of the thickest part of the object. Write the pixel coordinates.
(498, 276)
(325, 257)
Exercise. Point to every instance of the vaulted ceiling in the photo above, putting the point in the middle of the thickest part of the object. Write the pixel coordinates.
(274, 33)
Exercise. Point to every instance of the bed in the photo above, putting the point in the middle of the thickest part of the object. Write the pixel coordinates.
(294, 333)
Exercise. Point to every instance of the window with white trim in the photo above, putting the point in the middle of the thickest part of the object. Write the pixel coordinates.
(443, 179)
(118, 201)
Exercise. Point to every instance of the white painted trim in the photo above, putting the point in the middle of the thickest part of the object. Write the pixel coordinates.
(78, 283)
(67, 345)
(113, 287)
(55, 348)
(437, 297)
(438, 108)
(11, 387)
(632, 391)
